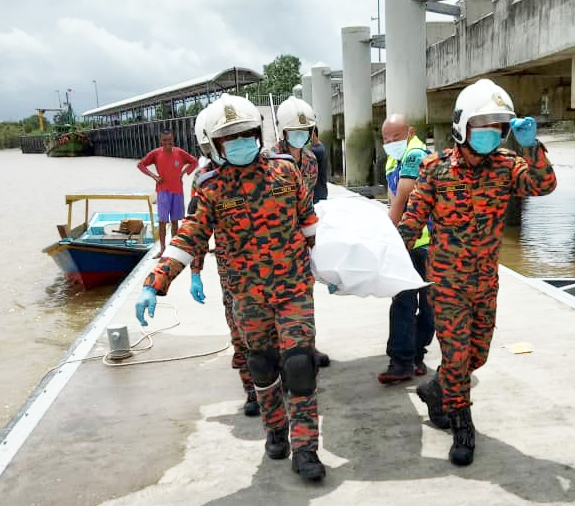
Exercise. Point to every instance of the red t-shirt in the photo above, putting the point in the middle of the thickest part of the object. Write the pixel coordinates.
(169, 167)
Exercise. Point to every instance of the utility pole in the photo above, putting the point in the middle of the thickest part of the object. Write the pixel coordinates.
(378, 27)
(96, 90)
(59, 101)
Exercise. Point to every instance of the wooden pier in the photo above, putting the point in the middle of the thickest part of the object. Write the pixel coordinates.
(131, 140)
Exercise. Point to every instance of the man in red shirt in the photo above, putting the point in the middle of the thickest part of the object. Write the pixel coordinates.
(171, 164)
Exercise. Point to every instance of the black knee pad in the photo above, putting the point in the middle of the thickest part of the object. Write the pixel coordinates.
(299, 371)
(264, 366)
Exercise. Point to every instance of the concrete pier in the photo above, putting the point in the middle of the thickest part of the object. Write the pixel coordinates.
(172, 433)
(406, 73)
(306, 88)
(357, 104)
(321, 96)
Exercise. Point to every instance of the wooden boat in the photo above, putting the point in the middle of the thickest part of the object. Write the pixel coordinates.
(66, 138)
(104, 249)
(69, 143)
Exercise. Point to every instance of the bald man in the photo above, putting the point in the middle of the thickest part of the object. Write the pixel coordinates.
(410, 315)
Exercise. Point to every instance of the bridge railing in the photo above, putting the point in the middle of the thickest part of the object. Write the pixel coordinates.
(264, 100)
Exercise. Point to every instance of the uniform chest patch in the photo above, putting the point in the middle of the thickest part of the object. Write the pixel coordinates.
(231, 203)
(496, 184)
(451, 188)
(283, 190)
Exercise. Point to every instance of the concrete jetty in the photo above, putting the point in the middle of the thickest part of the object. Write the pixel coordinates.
(173, 433)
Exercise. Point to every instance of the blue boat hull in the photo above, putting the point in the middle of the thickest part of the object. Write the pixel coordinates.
(94, 264)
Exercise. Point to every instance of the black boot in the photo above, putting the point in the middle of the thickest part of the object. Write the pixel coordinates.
(396, 372)
(432, 394)
(251, 407)
(461, 453)
(321, 359)
(277, 443)
(307, 464)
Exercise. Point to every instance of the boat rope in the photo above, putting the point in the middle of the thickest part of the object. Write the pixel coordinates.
(134, 348)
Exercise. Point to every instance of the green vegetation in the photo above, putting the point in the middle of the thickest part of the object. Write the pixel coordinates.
(10, 135)
(280, 76)
(11, 131)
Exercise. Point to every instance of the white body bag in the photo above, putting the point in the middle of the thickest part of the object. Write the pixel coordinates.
(359, 250)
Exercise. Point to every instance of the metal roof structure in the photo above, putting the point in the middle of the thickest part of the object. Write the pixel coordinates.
(230, 79)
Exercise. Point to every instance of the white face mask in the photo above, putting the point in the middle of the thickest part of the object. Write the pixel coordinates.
(396, 149)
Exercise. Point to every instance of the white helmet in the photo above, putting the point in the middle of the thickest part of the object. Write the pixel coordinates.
(201, 136)
(231, 115)
(481, 103)
(294, 114)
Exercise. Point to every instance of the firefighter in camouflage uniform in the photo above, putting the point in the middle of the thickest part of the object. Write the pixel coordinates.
(466, 193)
(295, 121)
(261, 209)
(207, 163)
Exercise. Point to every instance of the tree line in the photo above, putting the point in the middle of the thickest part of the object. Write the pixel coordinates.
(11, 131)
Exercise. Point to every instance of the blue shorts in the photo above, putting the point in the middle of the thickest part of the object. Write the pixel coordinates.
(170, 206)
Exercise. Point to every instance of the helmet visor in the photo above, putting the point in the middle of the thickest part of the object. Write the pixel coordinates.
(480, 120)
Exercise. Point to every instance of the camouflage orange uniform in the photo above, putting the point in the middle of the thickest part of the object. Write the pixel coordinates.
(260, 214)
(240, 357)
(467, 206)
(307, 165)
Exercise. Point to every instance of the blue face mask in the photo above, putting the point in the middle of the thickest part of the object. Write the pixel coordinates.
(241, 151)
(297, 138)
(396, 149)
(485, 140)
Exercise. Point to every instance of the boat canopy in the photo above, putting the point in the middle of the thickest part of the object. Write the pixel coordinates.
(146, 195)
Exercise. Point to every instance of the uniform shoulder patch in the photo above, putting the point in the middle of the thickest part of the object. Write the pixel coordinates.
(415, 156)
(202, 178)
(271, 155)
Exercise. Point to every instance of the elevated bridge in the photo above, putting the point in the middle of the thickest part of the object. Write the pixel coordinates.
(526, 46)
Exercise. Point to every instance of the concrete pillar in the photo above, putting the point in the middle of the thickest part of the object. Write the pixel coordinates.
(406, 72)
(306, 88)
(573, 82)
(356, 58)
(321, 96)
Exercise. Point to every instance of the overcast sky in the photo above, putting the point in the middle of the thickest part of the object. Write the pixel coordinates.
(131, 47)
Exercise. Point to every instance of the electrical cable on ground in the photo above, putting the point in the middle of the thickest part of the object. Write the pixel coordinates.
(133, 349)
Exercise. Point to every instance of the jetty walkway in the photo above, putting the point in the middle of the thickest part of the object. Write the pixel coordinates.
(173, 433)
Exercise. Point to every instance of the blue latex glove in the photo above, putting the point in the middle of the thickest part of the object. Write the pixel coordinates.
(525, 131)
(332, 288)
(147, 299)
(197, 289)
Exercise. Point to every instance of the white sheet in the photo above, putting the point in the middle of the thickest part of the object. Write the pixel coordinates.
(358, 249)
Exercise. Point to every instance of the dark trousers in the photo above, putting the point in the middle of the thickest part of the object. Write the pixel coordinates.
(411, 325)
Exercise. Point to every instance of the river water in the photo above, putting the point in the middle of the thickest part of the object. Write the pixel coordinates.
(41, 314)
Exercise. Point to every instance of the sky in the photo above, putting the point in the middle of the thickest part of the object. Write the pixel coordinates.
(130, 47)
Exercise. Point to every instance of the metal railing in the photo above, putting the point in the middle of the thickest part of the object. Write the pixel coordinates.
(264, 100)
(274, 120)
